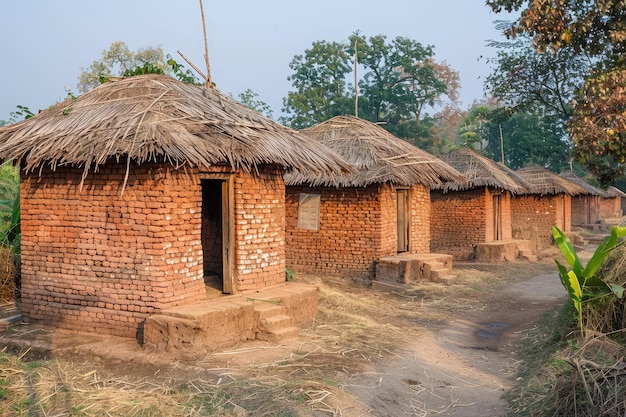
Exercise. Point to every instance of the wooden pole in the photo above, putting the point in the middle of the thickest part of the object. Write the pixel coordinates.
(356, 85)
(207, 80)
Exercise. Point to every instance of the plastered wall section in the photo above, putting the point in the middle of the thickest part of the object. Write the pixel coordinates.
(99, 261)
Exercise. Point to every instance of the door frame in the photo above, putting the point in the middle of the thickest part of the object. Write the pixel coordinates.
(228, 227)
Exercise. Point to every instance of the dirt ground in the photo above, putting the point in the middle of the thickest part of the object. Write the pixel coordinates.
(431, 350)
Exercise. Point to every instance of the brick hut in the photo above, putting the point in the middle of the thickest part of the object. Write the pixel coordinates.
(548, 203)
(137, 193)
(611, 202)
(585, 207)
(471, 219)
(343, 224)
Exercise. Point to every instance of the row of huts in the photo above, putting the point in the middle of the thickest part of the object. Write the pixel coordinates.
(138, 193)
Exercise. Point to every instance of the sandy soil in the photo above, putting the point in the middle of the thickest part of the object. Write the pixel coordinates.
(432, 350)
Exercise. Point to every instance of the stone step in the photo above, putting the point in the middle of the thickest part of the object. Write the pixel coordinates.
(433, 270)
(278, 335)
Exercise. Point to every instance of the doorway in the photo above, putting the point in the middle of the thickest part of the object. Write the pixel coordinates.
(497, 217)
(402, 197)
(217, 232)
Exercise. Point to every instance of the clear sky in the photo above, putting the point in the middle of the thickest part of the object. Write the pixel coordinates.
(44, 44)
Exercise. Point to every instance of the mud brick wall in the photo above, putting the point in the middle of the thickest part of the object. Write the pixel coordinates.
(357, 227)
(585, 209)
(259, 230)
(95, 260)
(350, 232)
(504, 198)
(419, 232)
(610, 208)
(534, 216)
(458, 220)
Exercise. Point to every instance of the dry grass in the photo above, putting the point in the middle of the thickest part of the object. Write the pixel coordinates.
(7, 275)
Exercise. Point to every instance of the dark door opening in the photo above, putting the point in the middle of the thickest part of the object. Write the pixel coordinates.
(217, 232)
(212, 234)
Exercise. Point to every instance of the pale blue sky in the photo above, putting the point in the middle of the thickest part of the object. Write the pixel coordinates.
(45, 43)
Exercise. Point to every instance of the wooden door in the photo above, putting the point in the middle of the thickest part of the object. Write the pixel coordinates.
(497, 217)
(403, 218)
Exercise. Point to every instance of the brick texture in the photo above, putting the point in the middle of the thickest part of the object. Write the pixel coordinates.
(357, 226)
(460, 219)
(534, 216)
(98, 261)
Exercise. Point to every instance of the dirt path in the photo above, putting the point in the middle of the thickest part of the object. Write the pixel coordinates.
(463, 367)
(433, 351)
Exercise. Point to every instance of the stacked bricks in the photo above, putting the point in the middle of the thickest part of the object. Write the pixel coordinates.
(259, 229)
(610, 208)
(585, 209)
(357, 226)
(534, 216)
(420, 228)
(94, 259)
(458, 220)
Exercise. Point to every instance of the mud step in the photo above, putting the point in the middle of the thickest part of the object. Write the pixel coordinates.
(265, 310)
(436, 275)
(278, 335)
(277, 322)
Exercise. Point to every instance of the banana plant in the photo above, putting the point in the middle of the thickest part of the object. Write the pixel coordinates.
(582, 283)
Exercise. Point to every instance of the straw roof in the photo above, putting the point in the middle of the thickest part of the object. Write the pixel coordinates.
(152, 118)
(378, 156)
(613, 192)
(591, 190)
(545, 182)
(481, 171)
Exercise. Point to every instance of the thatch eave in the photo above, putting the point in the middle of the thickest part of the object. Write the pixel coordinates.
(544, 182)
(154, 118)
(379, 157)
(479, 172)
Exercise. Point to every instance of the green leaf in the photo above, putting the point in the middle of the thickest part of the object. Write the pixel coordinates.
(618, 290)
(602, 251)
(567, 250)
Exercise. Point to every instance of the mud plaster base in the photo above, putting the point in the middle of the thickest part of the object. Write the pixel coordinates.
(210, 325)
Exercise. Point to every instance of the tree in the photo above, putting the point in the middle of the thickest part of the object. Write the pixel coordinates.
(399, 81)
(117, 60)
(319, 79)
(251, 100)
(593, 28)
(523, 79)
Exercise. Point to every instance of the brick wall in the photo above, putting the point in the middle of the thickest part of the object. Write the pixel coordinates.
(259, 230)
(458, 220)
(534, 216)
(98, 261)
(420, 219)
(610, 208)
(357, 227)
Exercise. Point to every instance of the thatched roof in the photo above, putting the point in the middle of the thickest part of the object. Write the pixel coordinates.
(378, 156)
(613, 192)
(481, 171)
(545, 182)
(591, 190)
(157, 118)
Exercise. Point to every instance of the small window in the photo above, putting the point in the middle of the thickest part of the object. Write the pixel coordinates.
(309, 211)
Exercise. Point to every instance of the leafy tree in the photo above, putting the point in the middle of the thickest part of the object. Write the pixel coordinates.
(444, 134)
(399, 80)
(117, 60)
(471, 131)
(321, 91)
(593, 28)
(251, 100)
(523, 79)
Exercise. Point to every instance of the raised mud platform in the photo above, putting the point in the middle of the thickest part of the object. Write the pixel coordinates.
(272, 314)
